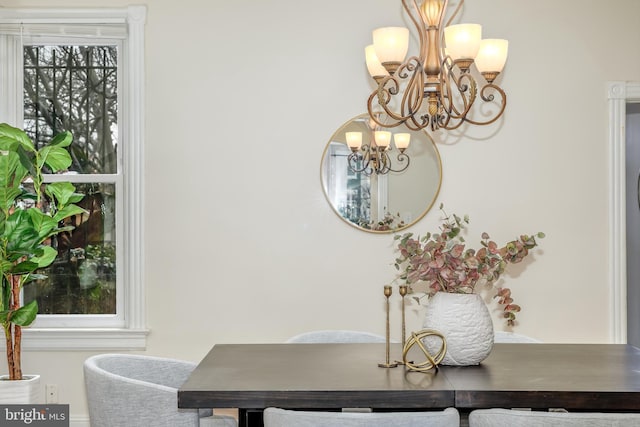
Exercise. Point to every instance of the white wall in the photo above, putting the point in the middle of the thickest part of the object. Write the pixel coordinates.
(242, 97)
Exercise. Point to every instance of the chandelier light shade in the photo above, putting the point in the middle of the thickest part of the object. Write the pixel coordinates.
(373, 158)
(354, 140)
(391, 45)
(402, 141)
(463, 41)
(492, 57)
(382, 139)
(438, 87)
(373, 63)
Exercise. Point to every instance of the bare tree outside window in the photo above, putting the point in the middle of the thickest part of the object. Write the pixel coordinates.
(74, 88)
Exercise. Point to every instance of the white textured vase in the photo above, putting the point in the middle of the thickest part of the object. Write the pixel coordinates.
(466, 324)
(25, 391)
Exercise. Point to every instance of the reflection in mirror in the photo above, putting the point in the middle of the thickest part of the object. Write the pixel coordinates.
(386, 201)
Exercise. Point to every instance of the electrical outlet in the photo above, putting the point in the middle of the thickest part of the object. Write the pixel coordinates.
(51, 393)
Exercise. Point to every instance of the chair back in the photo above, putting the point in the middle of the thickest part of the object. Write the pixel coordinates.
(133, 390)
(275, 417)
(519, 418)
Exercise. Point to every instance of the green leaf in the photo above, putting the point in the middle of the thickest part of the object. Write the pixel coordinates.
(20, 233)
(4, 318)
(26, 314)
(11, 175)
(68, 211)
(62, 139)
(57, 158)
(11, 137)
(27, 160)
(42, 223)
(24, 267)
(5, 266)
(49, 254)
(64, 193)
(8, 196)
(34, 276)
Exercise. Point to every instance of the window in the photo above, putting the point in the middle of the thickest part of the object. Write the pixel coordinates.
(81, 71)
(74, 87)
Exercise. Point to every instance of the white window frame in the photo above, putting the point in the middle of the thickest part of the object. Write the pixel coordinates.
(127, 329)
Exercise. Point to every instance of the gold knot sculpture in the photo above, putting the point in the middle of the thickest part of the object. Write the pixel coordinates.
(431, 361)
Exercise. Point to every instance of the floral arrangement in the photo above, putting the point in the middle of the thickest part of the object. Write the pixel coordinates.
(442, 261)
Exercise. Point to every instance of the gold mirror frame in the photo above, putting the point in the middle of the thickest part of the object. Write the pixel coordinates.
(381, 203)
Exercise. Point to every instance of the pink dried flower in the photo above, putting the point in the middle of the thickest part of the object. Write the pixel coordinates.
(442, 261)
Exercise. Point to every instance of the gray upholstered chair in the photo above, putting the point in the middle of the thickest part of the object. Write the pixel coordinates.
(504, 336)
(132, 390)
(516, 418)
(336, 336)
(275, 417)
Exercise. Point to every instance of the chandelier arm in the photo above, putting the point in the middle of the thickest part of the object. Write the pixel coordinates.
(441, 26)
(384, 95)
(467, 93)
(444, 121)
(355, 157)
(402, 157)
(412, 127)
(447, 108)
(374, 115)
(384, 164)
(413, 94)
(485, 98)
(489, 98)
(386, 91)
(419, 121)
(376, 161)
(453, 15)
(418, 24)
(446, 77)
(390, 87)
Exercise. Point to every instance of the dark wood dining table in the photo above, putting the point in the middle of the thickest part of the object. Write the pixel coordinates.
(251, 377)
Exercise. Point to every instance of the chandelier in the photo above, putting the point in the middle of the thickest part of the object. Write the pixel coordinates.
(373, 158)
(435, 89)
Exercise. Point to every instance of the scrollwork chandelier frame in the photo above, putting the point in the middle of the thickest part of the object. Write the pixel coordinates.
(435, 89)
(373, 158)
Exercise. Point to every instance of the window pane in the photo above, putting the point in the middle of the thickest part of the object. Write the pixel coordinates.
(82, 279)
(74, 88)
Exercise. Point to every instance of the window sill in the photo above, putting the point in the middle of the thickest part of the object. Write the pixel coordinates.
(42, 339)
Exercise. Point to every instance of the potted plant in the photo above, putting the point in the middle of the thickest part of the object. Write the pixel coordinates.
(31, 213)
(448, 268)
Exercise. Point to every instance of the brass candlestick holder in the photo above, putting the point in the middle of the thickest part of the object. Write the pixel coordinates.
(403, 289)
(387, 293)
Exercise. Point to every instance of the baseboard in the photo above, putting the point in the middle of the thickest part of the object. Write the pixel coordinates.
(79, 421)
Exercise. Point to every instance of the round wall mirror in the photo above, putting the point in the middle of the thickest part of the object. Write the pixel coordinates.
(377, 189)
